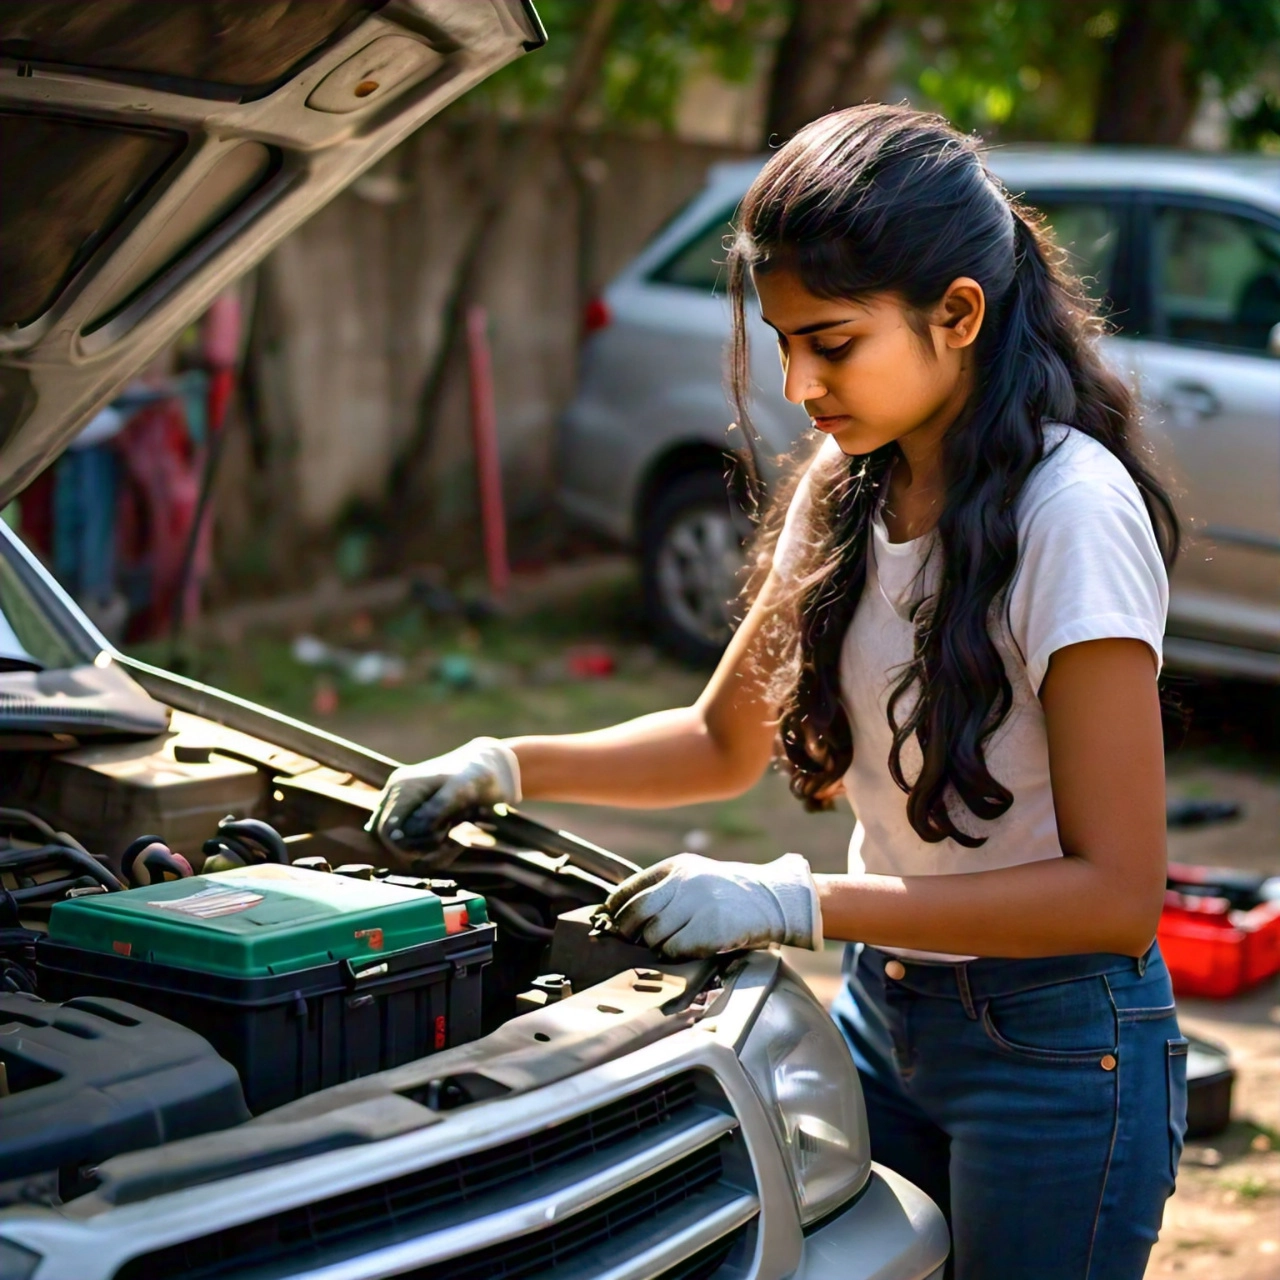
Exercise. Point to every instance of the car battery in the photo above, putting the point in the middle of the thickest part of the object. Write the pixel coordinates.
(1219, 931)
(298, 978)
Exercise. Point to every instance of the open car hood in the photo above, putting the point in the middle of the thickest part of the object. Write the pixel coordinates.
(154, 152)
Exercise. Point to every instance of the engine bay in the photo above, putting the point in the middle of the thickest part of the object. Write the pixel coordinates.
(196, 929)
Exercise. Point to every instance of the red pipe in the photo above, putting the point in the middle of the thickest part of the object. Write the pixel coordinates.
(484, 427)
(220, 330)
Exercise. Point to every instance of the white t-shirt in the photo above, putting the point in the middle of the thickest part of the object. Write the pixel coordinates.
(1088, 568)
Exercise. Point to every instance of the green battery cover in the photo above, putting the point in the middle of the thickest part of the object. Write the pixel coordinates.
(261, 920)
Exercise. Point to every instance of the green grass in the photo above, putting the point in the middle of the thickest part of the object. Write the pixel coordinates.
(1250, 1188)
(731, 823)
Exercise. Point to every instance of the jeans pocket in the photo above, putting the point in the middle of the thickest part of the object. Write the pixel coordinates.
(1068, 1022)
(1176, 1075)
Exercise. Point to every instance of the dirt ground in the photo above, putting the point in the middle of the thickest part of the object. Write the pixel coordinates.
(1224, 1221)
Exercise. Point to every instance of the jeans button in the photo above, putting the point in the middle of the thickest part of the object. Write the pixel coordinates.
(1108, 1062)
(896, 970)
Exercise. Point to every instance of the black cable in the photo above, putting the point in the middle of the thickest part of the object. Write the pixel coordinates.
(26, 819)
(55, 855)
(517, 922)
(16, 978)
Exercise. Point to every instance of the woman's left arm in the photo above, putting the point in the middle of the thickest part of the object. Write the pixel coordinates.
(1106, 761)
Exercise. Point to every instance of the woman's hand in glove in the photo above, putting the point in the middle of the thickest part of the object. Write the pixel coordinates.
(483, 772)
(689, 906)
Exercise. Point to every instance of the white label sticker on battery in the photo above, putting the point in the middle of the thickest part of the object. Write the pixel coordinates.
(206, 904)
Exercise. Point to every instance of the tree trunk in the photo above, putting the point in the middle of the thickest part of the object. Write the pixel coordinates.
(1148, 96)
(823, 61)
(583, 74)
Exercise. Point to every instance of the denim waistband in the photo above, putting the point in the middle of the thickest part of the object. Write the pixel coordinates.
(988, 978)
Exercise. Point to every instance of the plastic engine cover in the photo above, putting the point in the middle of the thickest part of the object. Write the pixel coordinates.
(93, 1078)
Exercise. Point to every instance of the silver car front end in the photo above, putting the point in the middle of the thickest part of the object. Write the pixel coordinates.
(684, 1158)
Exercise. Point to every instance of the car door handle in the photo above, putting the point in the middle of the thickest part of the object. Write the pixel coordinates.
(1189, 403)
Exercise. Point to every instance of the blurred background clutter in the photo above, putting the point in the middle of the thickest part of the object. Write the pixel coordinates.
(400, 480)
(350, 447)
(124, 516)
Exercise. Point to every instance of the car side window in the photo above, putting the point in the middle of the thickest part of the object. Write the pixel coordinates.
(700, 262)
(1089, 233)
(1216, 278)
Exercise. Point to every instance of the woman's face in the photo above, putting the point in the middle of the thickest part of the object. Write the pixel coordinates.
(862, 372)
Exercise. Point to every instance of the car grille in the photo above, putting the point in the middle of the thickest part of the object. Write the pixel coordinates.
(706, 1262)
(684, 1121)
(545, 1250)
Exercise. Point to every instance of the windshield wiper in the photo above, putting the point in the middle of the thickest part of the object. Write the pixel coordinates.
(86, 701)
(9, 663)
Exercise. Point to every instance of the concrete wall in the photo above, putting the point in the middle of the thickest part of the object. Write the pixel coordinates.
(348, 320)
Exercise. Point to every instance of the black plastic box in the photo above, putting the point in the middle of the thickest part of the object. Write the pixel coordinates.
(291, 1034)
(91, 1079)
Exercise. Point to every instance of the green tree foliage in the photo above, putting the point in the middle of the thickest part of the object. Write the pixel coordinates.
(1039, 69)
(1259, 129)
(1011, 69)
(1229, 39)
(654, 47)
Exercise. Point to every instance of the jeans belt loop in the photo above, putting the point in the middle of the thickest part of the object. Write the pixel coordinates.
(966, 992)
(1142, 964)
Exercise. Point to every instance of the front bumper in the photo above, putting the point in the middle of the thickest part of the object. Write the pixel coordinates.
(739, 1196)
(893, 1231)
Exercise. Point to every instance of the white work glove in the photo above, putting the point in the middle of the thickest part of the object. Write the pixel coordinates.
(690, 906)
(484, 771)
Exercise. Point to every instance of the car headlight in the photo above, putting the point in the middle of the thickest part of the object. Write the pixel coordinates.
(804, 1072)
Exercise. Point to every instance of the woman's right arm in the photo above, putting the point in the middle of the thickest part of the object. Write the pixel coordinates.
(717, 748)
(712, 750)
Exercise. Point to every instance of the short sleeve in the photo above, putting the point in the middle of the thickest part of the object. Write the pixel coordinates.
(1089, 569)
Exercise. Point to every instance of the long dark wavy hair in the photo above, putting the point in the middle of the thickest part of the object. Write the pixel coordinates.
(875, 200)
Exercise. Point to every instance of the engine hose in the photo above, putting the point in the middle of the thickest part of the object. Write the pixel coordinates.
(21, 817)
(25, 818)
(162, 864)
(517, 922)
(58, 855)
(8, 914)
(50, 890)
(130, 855)
(228, 850)
(262, 838)
(17, 978)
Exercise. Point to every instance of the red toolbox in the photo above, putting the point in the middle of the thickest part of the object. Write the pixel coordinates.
(1219, 931)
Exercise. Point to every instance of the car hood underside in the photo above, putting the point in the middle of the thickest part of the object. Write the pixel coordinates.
(154, 153)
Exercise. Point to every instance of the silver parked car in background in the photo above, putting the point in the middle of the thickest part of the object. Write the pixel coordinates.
(1183, 249)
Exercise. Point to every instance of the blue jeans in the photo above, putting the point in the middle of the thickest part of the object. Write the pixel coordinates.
(1041, 1103)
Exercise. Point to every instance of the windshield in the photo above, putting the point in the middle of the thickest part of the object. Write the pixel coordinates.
(28, 636)
(57, 675)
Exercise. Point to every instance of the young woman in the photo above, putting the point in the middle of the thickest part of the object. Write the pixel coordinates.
(960, 627)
